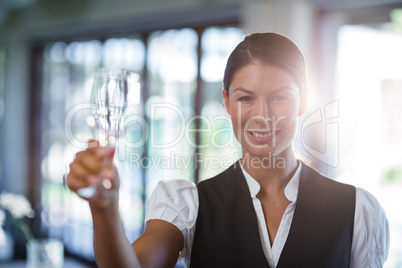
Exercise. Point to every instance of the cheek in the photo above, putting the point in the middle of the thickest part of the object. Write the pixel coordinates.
(238, 114)
(289, 111)
(286, 119)
(291, 126)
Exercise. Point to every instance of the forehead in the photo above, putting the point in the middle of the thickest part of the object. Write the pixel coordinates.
(262, 77)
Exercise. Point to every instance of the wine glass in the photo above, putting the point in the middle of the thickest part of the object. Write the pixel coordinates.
(113, 90)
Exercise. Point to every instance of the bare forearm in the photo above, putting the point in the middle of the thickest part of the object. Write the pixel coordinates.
(112, 249)
(89, 169)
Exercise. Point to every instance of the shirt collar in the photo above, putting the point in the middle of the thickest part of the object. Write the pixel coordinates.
(291, 188)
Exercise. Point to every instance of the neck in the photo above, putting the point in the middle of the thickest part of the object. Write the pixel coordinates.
(273, 172)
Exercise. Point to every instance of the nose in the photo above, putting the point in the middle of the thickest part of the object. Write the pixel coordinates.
(267, 113)
(263, 112)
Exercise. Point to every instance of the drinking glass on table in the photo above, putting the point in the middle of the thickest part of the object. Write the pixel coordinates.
(113, 90)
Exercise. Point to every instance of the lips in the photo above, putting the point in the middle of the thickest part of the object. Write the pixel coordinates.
(261, 135)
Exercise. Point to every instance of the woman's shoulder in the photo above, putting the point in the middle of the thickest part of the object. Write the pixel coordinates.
(371, 232)
(175, 192)
(171, 187)
(174, 201)
(367, 200)
(369, 212)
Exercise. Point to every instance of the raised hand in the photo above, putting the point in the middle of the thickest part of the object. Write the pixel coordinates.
(93, 176)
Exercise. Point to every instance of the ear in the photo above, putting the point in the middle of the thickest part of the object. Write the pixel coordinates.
(226, 100)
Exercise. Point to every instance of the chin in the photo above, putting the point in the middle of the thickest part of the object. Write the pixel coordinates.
(261, 153)
(266, 159)
(269, 152)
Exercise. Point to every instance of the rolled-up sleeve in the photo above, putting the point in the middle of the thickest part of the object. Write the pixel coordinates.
(176, 201)
(371, 232)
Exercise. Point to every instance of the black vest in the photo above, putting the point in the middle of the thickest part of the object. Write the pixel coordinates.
(227, 230)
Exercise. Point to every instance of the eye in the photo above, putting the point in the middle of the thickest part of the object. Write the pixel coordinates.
(245, 98)
(282, 99)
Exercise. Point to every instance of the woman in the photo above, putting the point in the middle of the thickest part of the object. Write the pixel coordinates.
(253, 214)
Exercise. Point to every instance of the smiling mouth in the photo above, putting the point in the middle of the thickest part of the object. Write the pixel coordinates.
(262, 134)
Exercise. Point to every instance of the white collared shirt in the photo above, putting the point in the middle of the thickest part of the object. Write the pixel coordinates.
(273, 252)
(176, 201)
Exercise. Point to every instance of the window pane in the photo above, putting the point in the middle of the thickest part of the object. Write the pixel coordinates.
(68, 74)
(172, 65)
(158, 144)
(369, 92)
(124, 53)
(219, 148)
(2, 84)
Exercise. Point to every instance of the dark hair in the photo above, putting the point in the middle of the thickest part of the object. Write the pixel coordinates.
(268, 48)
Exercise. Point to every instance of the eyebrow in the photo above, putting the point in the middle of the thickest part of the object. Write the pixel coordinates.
(251, 92)
(281, 89)
(243, 89)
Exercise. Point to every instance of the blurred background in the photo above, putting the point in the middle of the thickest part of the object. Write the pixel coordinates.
(49, 49)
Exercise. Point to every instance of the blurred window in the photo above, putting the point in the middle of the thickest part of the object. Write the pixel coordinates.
(172, 72)
(369, 88)
(68, 71)
(218, 146)
(167, 62)
(2, 84)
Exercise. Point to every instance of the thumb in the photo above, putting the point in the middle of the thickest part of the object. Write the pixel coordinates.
(111, 153)
(105, 153)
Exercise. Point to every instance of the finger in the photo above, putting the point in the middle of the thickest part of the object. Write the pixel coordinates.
(111, 152)
(80, 176)
(105, 153)
(93, 144)
(90, 190)
(75, 183)
(89, 161)
(78, 172)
